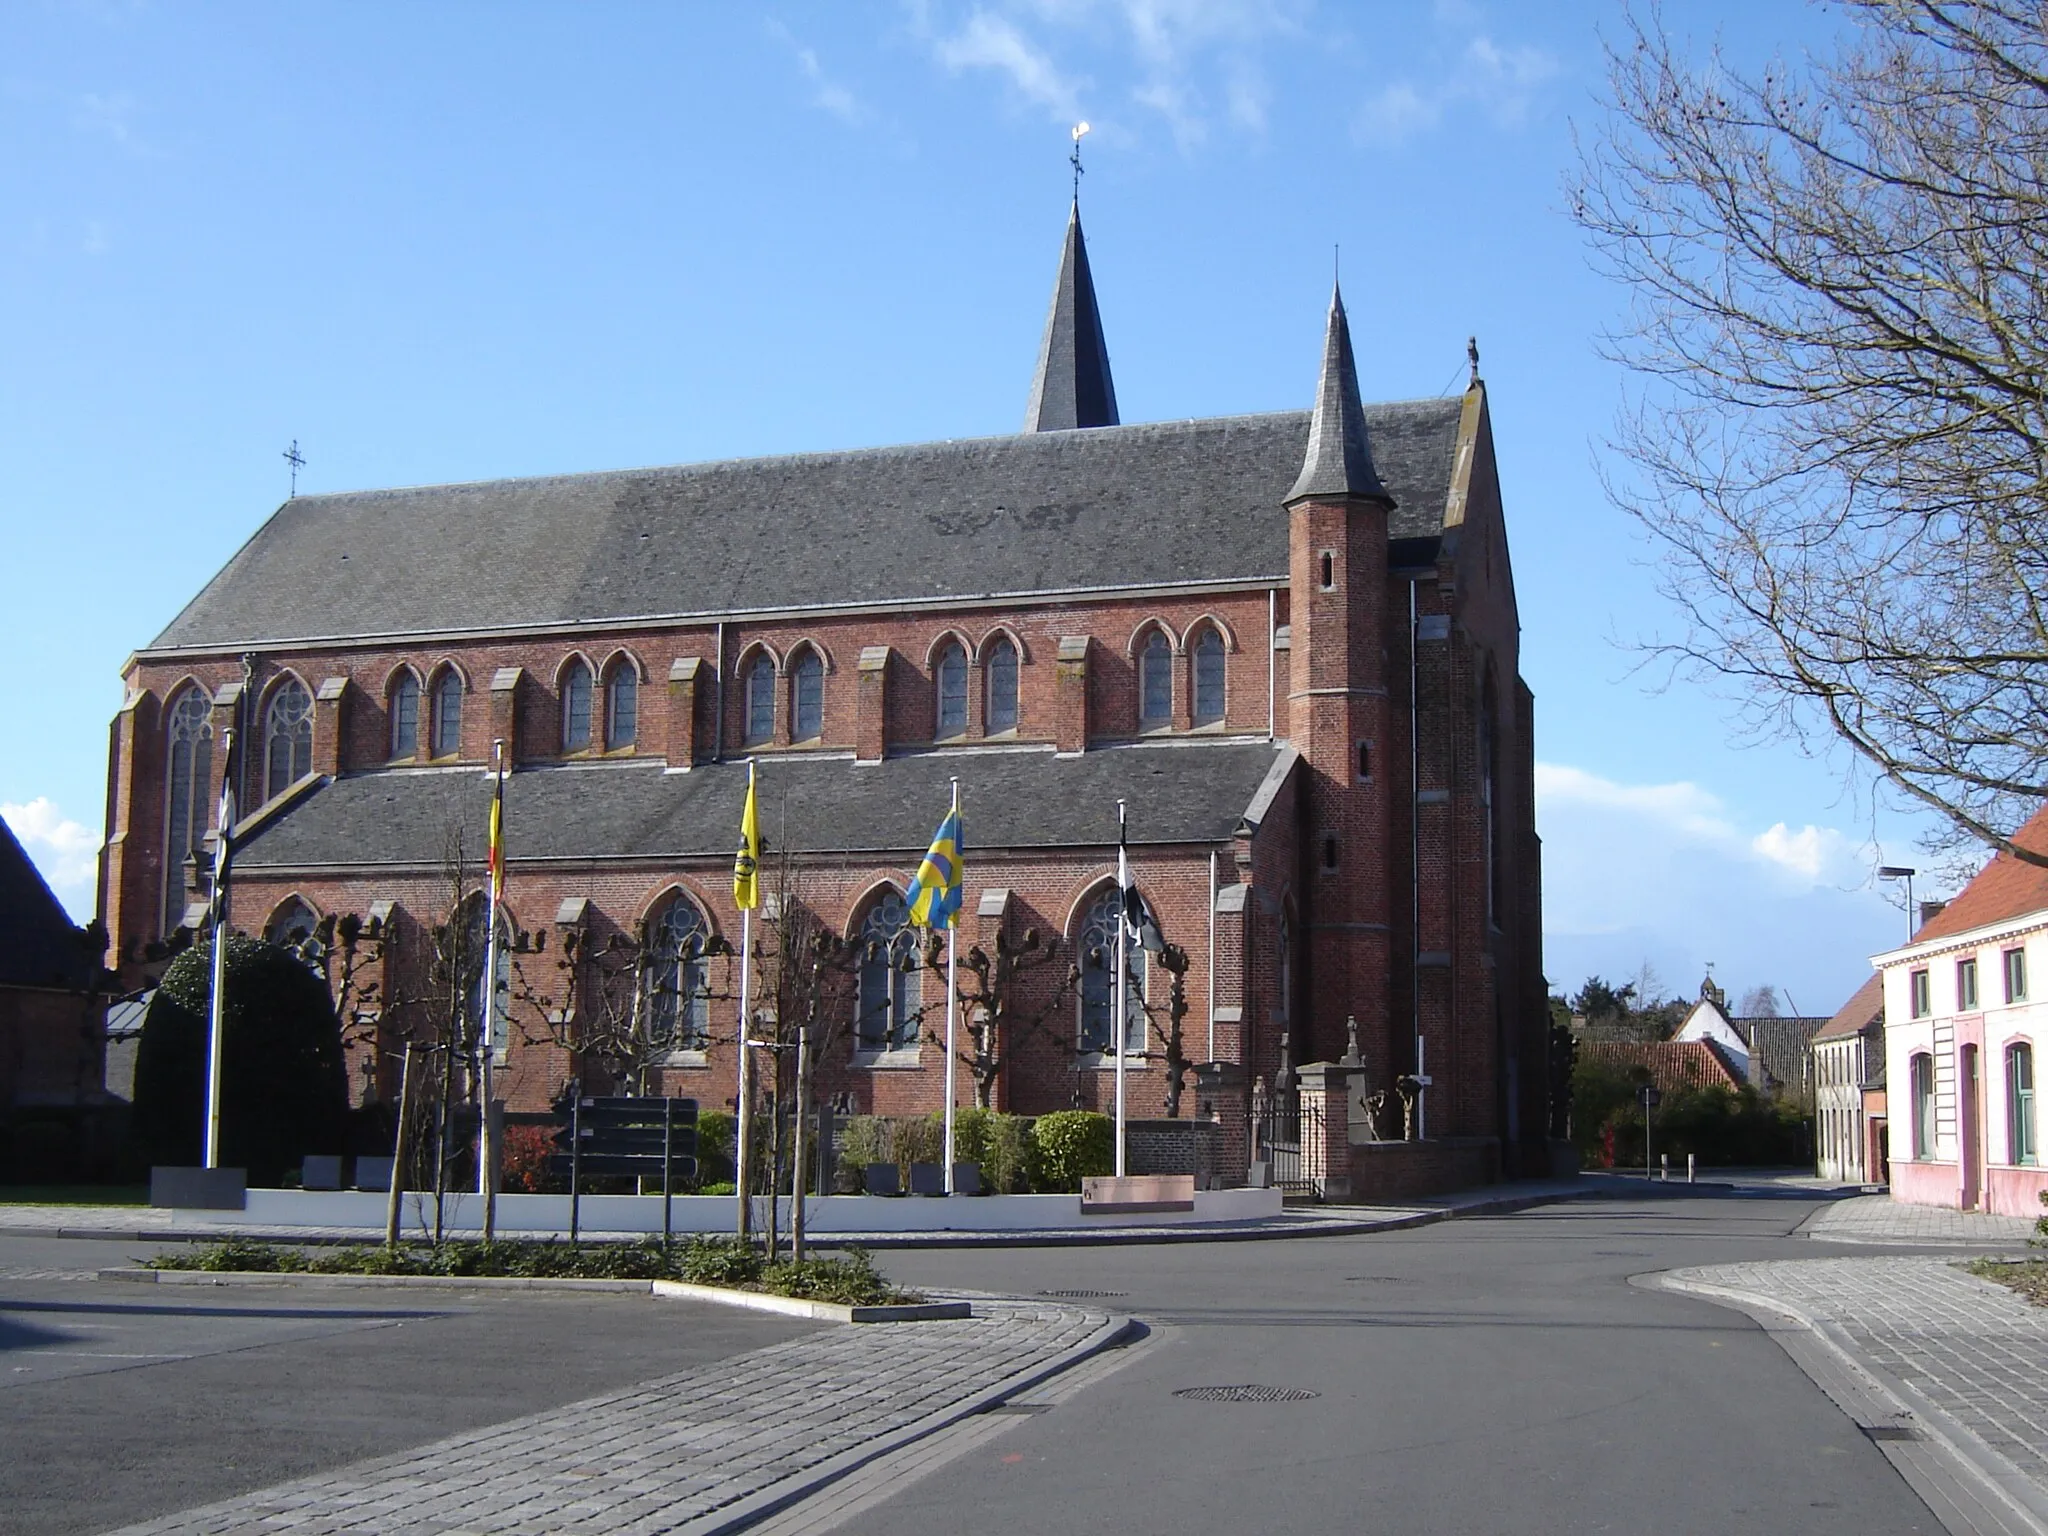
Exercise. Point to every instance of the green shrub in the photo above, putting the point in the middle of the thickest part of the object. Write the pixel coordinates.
(720, 1261)
(996, 1143)
(714, 1149)
(863, 1139)
(284, 1086)
(917, 1140)
(234, 1253)
(849, 1279)
(1071, 1145)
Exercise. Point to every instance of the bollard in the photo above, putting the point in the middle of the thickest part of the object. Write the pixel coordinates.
(1689, 1159)
(1664, 1167)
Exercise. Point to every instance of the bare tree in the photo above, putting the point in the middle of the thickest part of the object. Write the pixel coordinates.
(1839, 276)
(628, 1001)
(1759, 1003)
(995, 1000)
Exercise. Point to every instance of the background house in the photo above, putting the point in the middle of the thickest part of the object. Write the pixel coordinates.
(1850, 1128)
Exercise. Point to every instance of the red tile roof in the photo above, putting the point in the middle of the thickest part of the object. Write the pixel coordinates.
(1865, 1003)
(1673, 1064)
(2006, 887)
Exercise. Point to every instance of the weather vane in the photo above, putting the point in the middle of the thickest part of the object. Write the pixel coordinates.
(297, 462)
(1080, 132)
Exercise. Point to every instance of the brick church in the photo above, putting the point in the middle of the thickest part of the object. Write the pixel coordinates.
(1288, 642)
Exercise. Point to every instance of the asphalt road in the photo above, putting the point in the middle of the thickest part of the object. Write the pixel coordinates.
(1483, 1375)
(119, 1401)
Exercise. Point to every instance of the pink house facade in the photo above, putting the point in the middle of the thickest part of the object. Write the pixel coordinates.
(1966, 1020)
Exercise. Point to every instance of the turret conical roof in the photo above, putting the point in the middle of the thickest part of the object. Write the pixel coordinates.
(1072, 387)
(1339, 458)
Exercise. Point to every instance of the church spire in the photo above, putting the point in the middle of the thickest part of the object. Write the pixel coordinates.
(1072, 387)
(1339, 458)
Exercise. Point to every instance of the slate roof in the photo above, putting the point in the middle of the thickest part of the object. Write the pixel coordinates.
(1339, 457)
(1781, 1046)
(1072, 387)
(39, 944)
(1020, 798)
(1112, 507)
(2006, 887)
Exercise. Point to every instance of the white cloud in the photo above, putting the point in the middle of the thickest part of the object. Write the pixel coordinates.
(827, 93)
(992, 42)
(1670, 873)
(65, 851)
(1501, 82)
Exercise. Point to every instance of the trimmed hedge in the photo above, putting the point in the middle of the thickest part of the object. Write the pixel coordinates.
(1073, 1144)
(284, 1084)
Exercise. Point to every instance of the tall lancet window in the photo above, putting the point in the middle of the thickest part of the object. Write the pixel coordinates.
(576, 707)
(621, 706)
(287, 739)
(1208, 678)
(760, 692)
(1155, 680)
(952, 686)
(1097, 950)
(1001, 670)
(405, 716)
(448, 714)
(807, 698)
(190, 775)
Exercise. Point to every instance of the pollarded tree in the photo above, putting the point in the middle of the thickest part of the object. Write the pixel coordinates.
(1839, 276)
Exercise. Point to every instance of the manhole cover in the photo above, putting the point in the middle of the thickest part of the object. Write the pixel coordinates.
(1086, 1295)
(1383, 1279)
(1621, 1253)
(1246, 1394)
(1892, 1432)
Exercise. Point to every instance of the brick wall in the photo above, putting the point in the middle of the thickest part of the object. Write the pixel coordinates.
(1175, 1146)
(1407, 1170)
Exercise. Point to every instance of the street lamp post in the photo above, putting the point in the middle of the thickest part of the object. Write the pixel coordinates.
(1901, 872)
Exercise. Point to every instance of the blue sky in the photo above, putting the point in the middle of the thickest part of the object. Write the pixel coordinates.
(464, 241)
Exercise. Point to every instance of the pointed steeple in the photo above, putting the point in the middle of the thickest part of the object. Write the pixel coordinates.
(1072, 387)
(1339, 458)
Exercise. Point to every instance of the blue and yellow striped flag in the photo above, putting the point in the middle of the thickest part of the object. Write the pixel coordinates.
(934, 895)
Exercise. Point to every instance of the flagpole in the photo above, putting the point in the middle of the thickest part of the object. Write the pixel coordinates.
(486, 1144)
(216, 1013)
(952, 1009)
(741, 1117)
(1122, 1023)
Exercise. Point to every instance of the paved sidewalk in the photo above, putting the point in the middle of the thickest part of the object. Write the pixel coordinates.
(1966, 1357)
(693, 1453)
(1881, 1219)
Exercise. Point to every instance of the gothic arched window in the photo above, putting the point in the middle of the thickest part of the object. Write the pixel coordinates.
(807, 697)
(1001, 670)
(950, 677)
(291, 924)
(760, 700)
(1208, 677)
(621, 706)
(287, 739)
(1096, 945)
(1155, 680)
(888, 976)
(576, 707)
(190, 776)
(405, 716)
(678, 991)
(447, 732)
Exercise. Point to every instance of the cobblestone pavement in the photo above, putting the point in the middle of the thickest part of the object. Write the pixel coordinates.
(1970, 1347)
(1881, 1219)
(672, 1453)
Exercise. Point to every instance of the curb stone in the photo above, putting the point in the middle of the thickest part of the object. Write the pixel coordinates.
(753, 1301)
(1872, 1398)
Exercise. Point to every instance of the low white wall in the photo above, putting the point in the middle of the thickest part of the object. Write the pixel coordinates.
(527, 1214)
